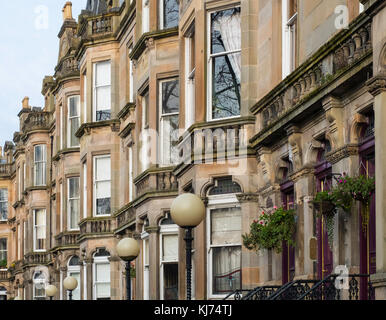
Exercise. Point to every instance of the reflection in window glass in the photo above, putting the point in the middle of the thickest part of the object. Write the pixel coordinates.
(225, 62)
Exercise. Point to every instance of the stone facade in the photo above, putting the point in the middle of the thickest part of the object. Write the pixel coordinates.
(271, 100)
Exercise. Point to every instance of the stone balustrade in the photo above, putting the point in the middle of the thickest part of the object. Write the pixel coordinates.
(3, 275)
(37, 258)
(36, 120)
(341, 53)
(67, 239)
(156, 180)
(6, 169)
(67, 67)
(93, 226)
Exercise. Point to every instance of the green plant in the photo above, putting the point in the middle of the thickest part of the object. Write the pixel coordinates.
(360, 188)
(271, 230)
(3, 263)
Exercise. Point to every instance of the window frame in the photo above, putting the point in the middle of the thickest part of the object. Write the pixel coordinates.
(6, 205)
(218, 202)
(69, 201)
(101, 261)
(96, 87)
(289, 36)
(34, 296)
(166, 230)
(35, 226)
(95, 158)
(71, 270)
(5, 251)
(69, 118)
(210, 57)
(145, 21)
(190, 77)
(145, 237)
(161, 4)
(44, 162)
(162, 118)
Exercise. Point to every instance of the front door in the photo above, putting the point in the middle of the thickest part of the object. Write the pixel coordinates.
(367, 233)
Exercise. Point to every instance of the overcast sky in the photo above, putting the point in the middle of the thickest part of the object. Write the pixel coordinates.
(28, 51)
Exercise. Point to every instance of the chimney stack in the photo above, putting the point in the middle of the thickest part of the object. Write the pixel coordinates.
(26, 103)
(67, 11)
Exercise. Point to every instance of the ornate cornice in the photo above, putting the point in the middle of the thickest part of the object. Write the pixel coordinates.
(376, 85)
(307, 170)
(341, 153)
(154, 229)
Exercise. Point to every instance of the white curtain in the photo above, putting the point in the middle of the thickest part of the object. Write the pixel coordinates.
(226, 226)
(170, 247)
(40, 224)
(230, 30)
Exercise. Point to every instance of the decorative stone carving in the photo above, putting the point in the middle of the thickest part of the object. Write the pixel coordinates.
(295, 142)
(376, 85)
(247, 197)
(341, 153)
(334, 115)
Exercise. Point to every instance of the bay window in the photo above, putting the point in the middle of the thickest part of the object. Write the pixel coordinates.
(224, 69)
(101, 272)
(39, 218)
(102, 185)
(169, 111)
(144, 134)
(102, 91)
(40, 165)
(3, 204)
(73, 121)
(169, 13)
(73, 205)
(3, 253)
(190, 70)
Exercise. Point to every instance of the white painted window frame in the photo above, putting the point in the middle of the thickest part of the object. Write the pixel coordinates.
(84, 192)
(164, 162)
(99, 260)
(145, 16)
(288, 40)
(95, 184)
(145, 269)
(70, 271)
(210, 56)
(190, 82)
(68, 204)
(164, 231)
(6, 202)
(84, 97)
(44, 161)
(217, 202)
(69, 118)
(35, 228)
(96, 87)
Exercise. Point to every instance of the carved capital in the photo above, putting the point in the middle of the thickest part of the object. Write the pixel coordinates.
(376, 85)
(248, 197)
(341, 153)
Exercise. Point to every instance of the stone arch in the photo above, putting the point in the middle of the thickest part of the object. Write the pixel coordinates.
(312, 152)
(279, 168)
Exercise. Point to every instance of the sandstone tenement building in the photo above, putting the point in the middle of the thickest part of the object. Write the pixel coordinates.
(249, 104)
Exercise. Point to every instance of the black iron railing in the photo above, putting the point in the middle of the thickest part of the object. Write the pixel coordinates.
(333, 287)
(293, 290)
(237, 294)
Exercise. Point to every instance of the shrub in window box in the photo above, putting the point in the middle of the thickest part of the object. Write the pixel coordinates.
(3, 263)
(271, 230)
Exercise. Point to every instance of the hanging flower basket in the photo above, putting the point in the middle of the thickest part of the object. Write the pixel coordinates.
(271, 230)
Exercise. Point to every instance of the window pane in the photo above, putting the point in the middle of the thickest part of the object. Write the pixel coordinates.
(103, 98)
(170, 247)
(226, 269)
(74, 123)
(171, 281)
(103, 206)
(74, 106)
(3, 194)
(74, 187)
(171, 13)
(103, 73)
(226, 226)
(76, 292)
(226, 86)
(170, 97)
(170, 139)
(226, 30)
(74, 213)
(103, 168)
(102, 272)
